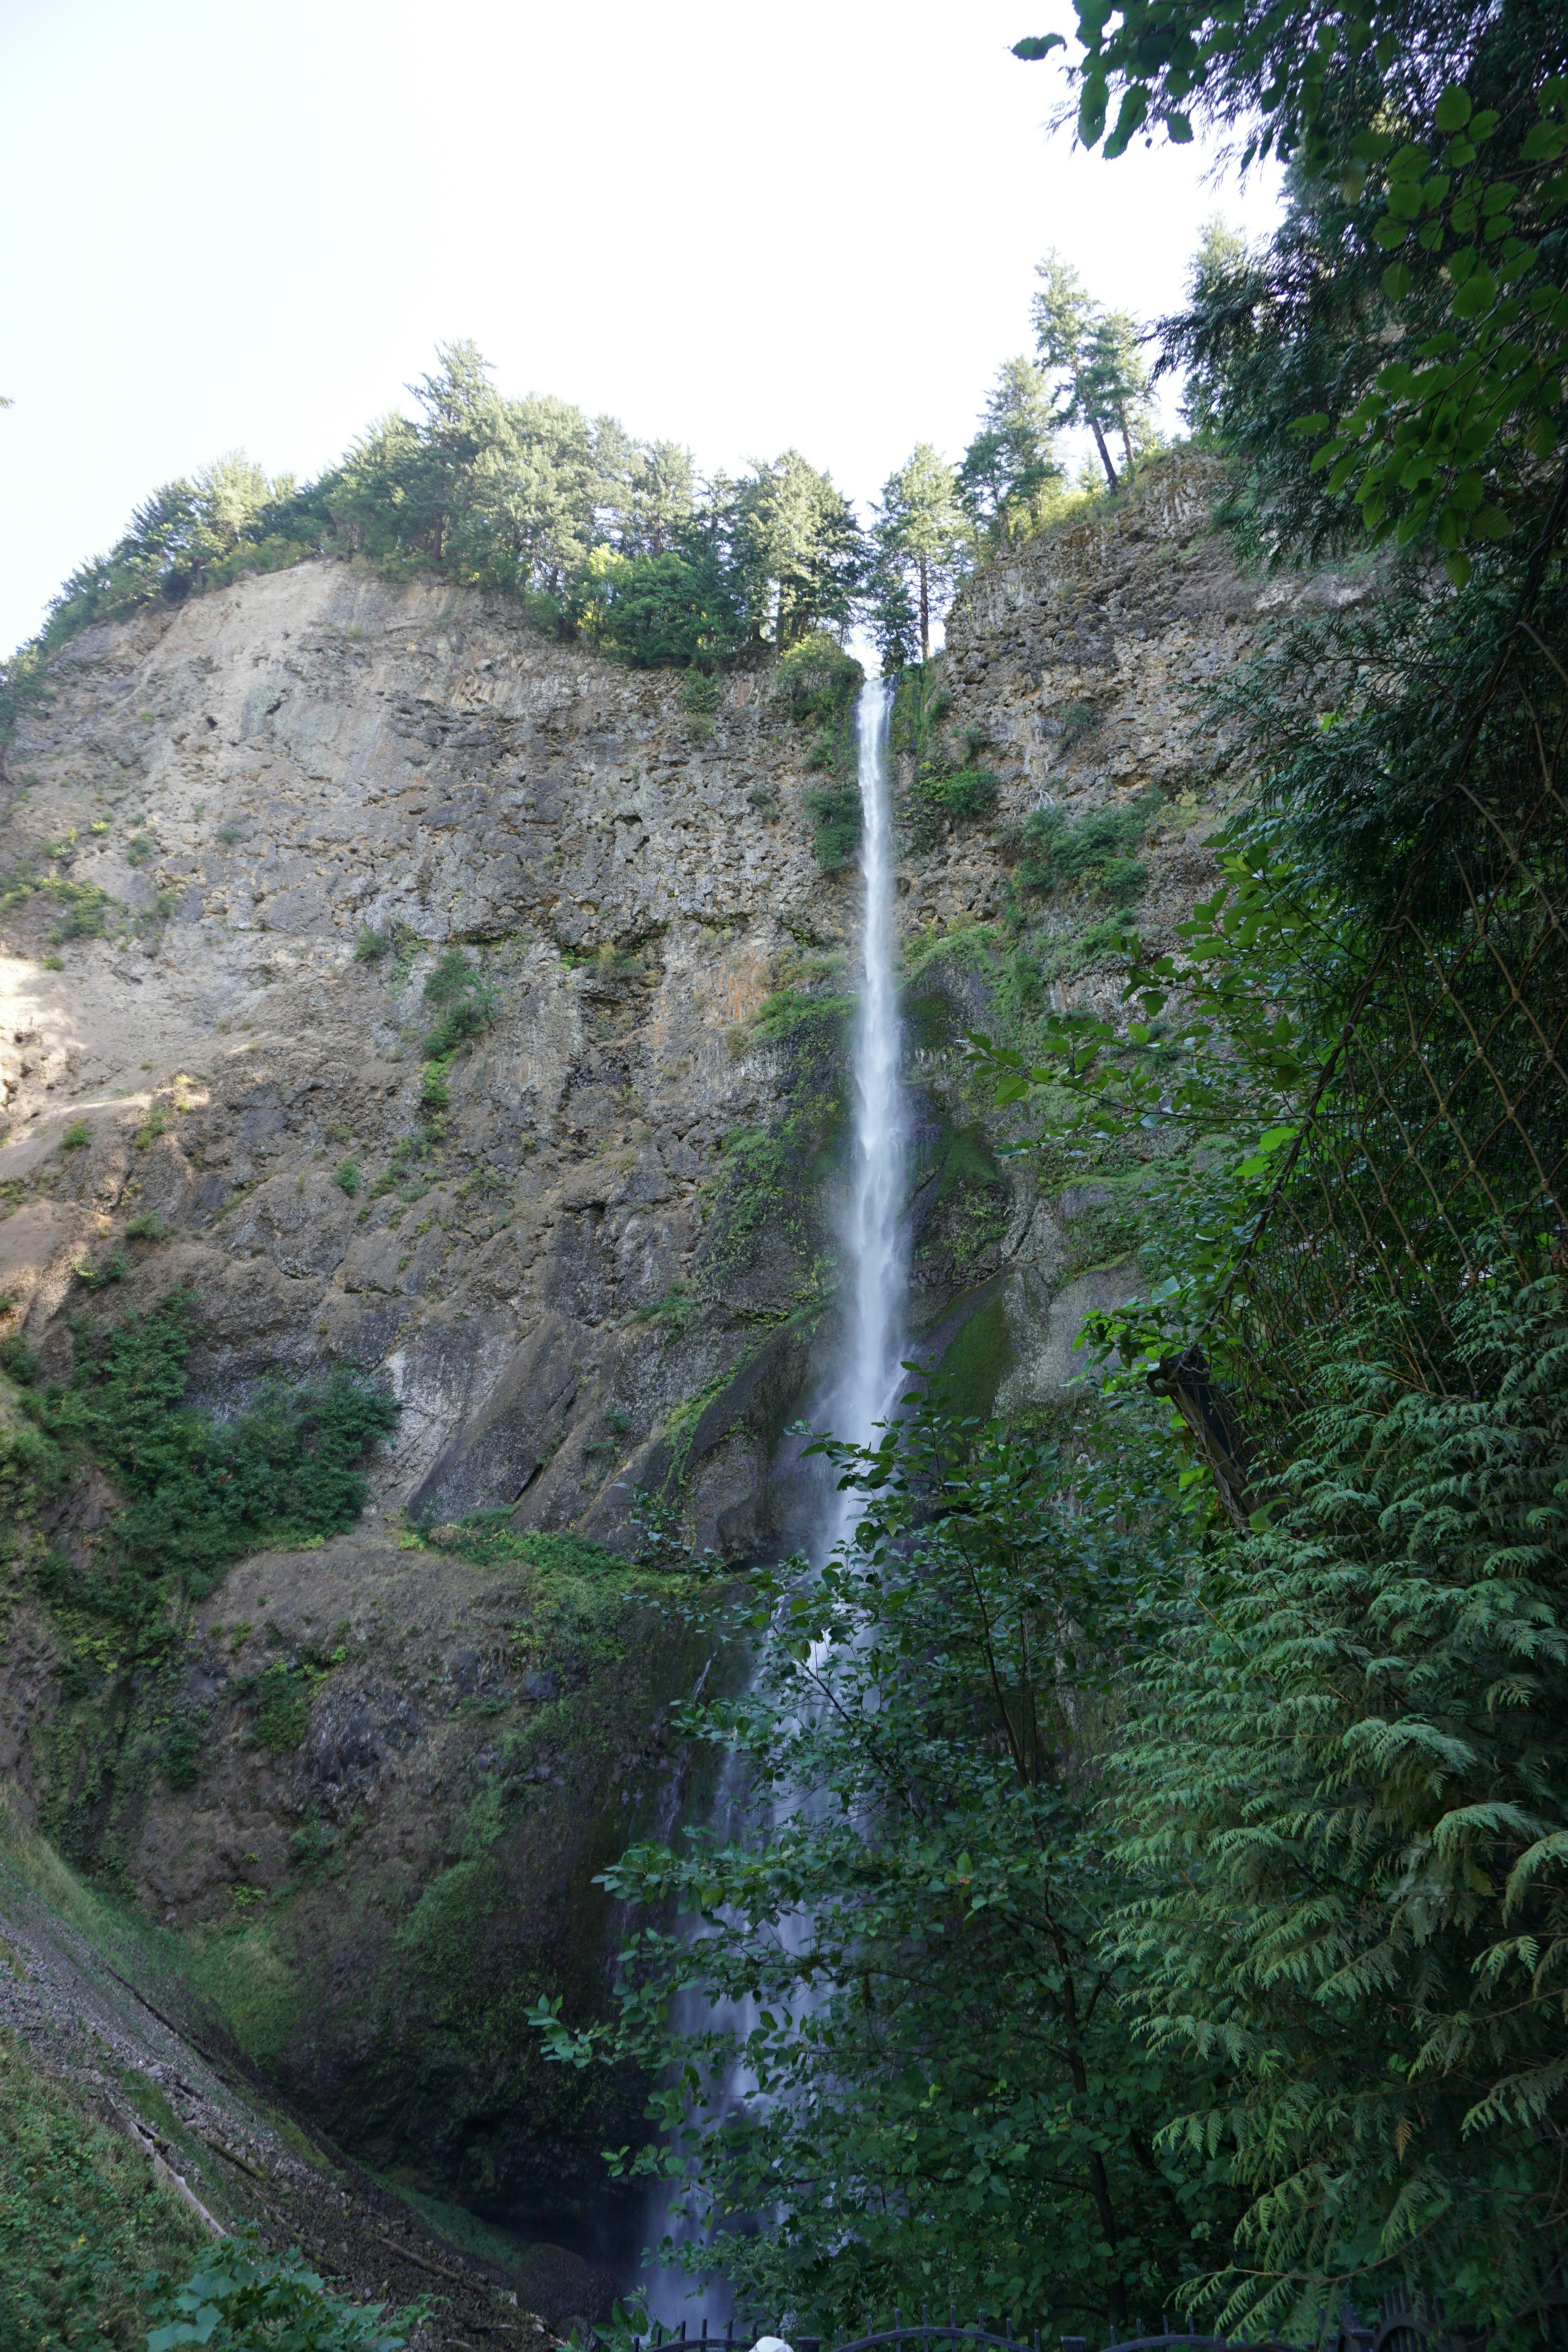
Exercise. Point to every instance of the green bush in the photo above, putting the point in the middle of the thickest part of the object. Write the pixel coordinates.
(1092, 852)
(240, 2299)
(77, 1137)
(346, 1177)
(466, 1001)
(199, 1491)
(182, 1755)
(82, 2219)
(113, 1268)
(835, 812)
(282, 1708)
(490, 1539)
(940, 797)
(370, 946)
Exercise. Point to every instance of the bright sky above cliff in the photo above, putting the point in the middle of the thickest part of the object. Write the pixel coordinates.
(247, 222)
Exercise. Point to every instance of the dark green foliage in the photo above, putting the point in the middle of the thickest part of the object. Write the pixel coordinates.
(76, 1136)
(370, 945)
(964, 2114)
(1009, 474)
(1056, 852)
(942, 795)
(198, 1492)
(590, 531)
(490, 1539)
(282, 1708)
(347, 1177)
(466, 1001)
(112, 1268)
(82, 2220)
(182, 1755)
(239, 2298)
(1349, 1774)
(667, 611)
(835, 812)
(147, 1227)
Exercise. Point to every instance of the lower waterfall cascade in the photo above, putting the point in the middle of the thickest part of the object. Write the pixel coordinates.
(864, 1392)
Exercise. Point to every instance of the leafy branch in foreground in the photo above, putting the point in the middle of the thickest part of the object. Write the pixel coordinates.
(1346, 1775)
(903, 1948)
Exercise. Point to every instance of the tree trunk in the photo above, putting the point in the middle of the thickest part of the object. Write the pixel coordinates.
(1126, 437)
(1094, 428)
(925, 612)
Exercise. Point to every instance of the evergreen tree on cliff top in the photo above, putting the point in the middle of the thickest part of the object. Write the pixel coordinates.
(919, 532)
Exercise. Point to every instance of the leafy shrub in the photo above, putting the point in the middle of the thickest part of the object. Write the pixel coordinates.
(113, 1268)
(200, 1492)
(77, 1137)
(140, 848)
(147, 1227)
(20, 1361)
(835, 812)
(82, 2219)
(84, 914)
(1079, 720)
(239, 2299)
(282, 1708)
(817, 678)
(660, 611)
(230, 832)
(940, 797)
(1092, 852)
(182, 1755)
(490, 1539)
(466, 1001)
(370, 946)
(346, 1177)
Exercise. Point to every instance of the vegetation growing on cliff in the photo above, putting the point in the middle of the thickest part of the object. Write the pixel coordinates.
(197, 1492)
(82, 2220)
(1289, 1831)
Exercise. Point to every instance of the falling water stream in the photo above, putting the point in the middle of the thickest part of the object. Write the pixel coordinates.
(864, 1388)
(876, 1234)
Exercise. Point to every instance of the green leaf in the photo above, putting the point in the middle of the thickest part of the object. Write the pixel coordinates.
(1396, 281)
(1454, 108)
(1036, 46)
(1390, 233)
(1458, 567)
(1476, 296)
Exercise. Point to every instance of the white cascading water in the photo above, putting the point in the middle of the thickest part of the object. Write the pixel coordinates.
(866, 1388)
(875, 1232)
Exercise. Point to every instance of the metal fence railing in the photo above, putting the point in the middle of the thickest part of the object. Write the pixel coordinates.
(1400, 2325)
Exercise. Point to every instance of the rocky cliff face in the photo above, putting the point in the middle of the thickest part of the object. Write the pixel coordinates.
(592, 1252)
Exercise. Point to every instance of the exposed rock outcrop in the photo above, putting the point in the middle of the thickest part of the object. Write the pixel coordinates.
(595, 1255)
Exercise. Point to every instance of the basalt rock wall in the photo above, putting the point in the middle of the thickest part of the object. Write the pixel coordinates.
(605, 1263)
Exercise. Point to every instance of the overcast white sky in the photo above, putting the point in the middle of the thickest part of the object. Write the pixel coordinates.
(247, 222)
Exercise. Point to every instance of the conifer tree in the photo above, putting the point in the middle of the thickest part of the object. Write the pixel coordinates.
(920, 530)
(1008, 469)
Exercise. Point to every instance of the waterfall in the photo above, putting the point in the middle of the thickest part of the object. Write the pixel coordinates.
(874, 1231)
(865, 1389)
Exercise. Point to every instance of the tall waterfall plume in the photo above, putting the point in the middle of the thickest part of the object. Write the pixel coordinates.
(875, 1227)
